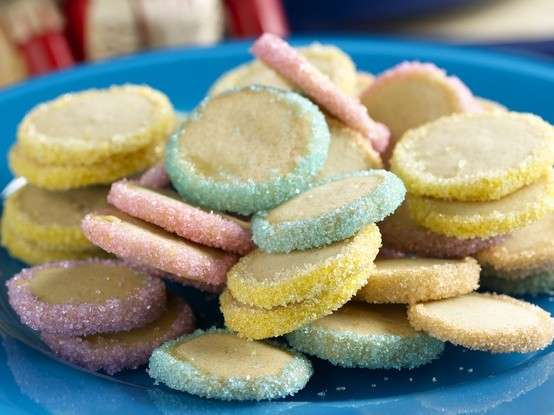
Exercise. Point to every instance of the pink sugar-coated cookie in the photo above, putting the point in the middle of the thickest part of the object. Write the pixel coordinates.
(155, 177)
(146, 244)
(166, 209)
(113, 355)
(400, 233)
(142, 307)
(201, 286)
(467, 101)
(286, 61)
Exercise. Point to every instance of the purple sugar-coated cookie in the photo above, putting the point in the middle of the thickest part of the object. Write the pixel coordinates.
(141, 307)
(114, 356)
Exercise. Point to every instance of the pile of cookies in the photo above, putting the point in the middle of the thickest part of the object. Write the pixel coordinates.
(67, 149)
(98, 314)
(272, 194)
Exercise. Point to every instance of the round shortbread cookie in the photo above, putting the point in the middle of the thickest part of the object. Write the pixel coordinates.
(114, 352)
(401, 233)
(368, 336)
(266, 280)
(247, 150)
(52, 220)
(349, 151)
(490, 322)
(411, 94)
(475, 157)
(490, 105)
(414, 280)
(330, 211)
(363, 81)
(29, 252)
(145, 244)
(535, 284)
(485, 219)
(78, 298)
(524, 252)
(219, 365)
(90, 126)
(63, 177)
(286, 61)
(166, 209)
(260, 323)
(330, 60)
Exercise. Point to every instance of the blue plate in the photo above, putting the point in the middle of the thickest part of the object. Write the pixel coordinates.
(32, 381)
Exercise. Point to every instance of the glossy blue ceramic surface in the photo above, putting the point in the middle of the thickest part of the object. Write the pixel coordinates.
(33, 382)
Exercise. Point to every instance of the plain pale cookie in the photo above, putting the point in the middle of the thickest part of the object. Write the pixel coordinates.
(485, 219)
(217, 364)
(90, 126)
(401, 233)
(330, 60)
(368, 336)
(414, 280)
(349, 151)
(489, 322)
(536, 284)
(286, 61)
(260, 323)
(363, 81)
(524, 252)
(65, 176)
(28, 251)
(85, 297)
(145, 244)
(491, 106)
(412, 94)
(330, 211)
(166, 209)
(53, 219)
(474, 157)
(248, 150)
(267, 280)
(114, 352)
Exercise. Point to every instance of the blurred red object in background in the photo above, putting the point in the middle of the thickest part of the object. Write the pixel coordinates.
(35, 27)
(249, 18)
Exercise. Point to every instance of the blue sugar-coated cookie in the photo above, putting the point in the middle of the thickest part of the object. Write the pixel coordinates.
(248, 149)
(540, 283)
(331, 210)
(220, 365)
(367, 336)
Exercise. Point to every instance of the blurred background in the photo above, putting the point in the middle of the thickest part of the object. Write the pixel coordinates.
(40, 36)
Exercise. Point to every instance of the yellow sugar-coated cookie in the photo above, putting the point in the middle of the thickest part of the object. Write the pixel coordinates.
(485, 219)
(31, 253)
(525, 252)
(490, 105)
(52, 220)
(260, 323)
(490, 322)
(475, 157)
(413, 280)
(363, 81)
(266, 280)
(87, 127)
(64, 177)
(330, 60)
(348, 152)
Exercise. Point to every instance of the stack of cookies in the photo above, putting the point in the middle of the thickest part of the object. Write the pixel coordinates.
(99, 314)
(66, 149)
